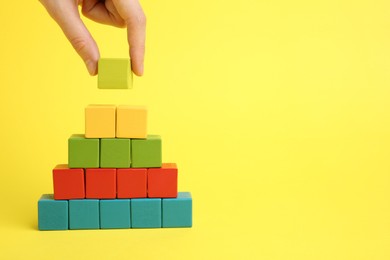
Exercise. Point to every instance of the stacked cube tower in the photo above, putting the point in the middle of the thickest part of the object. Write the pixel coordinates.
(115, 177)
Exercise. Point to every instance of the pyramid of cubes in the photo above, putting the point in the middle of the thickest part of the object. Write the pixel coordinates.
(115, 177)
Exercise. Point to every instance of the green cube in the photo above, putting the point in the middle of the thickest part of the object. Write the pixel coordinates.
(146, 153)
(52, 214)
(114, 74)
(115, 213)
(83, 152)
(114, 153)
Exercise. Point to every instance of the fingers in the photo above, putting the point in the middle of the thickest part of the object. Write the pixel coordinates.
(102, 12)
(113, 12)
(132, 13)
(66, 14)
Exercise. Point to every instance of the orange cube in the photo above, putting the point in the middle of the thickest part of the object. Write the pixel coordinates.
(100, 121)
(131, 121)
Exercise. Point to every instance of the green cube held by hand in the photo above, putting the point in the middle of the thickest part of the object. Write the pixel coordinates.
(114, 73)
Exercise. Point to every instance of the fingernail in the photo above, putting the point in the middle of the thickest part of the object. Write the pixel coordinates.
(91, 67)
(139, 71)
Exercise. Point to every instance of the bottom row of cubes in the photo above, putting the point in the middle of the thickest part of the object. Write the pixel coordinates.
(114, 213)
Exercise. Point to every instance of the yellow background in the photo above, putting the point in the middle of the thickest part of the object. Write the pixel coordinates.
(276, 112)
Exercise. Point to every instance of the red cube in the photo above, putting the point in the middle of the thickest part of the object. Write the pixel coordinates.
(162, 182)
(131, 183)
(100, 183)
(68, 183)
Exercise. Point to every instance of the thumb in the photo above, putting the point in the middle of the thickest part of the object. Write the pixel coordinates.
(131, 11)
(67, 16)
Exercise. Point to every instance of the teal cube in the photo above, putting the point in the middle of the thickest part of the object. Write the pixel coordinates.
(114, 74)
(177, 212)
(115, 153)
(84, 214)
(52, 214)
(146, 153)
(115, 213)
(83, 152)
(146, 213)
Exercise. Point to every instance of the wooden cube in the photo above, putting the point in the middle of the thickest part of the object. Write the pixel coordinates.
(114, 73)
(131, 121)
(100, 121)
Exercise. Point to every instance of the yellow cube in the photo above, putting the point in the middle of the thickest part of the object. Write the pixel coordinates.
(131, 121)
(100, 121)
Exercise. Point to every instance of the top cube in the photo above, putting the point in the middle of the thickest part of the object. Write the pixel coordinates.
(114, 74)
(100, 121)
